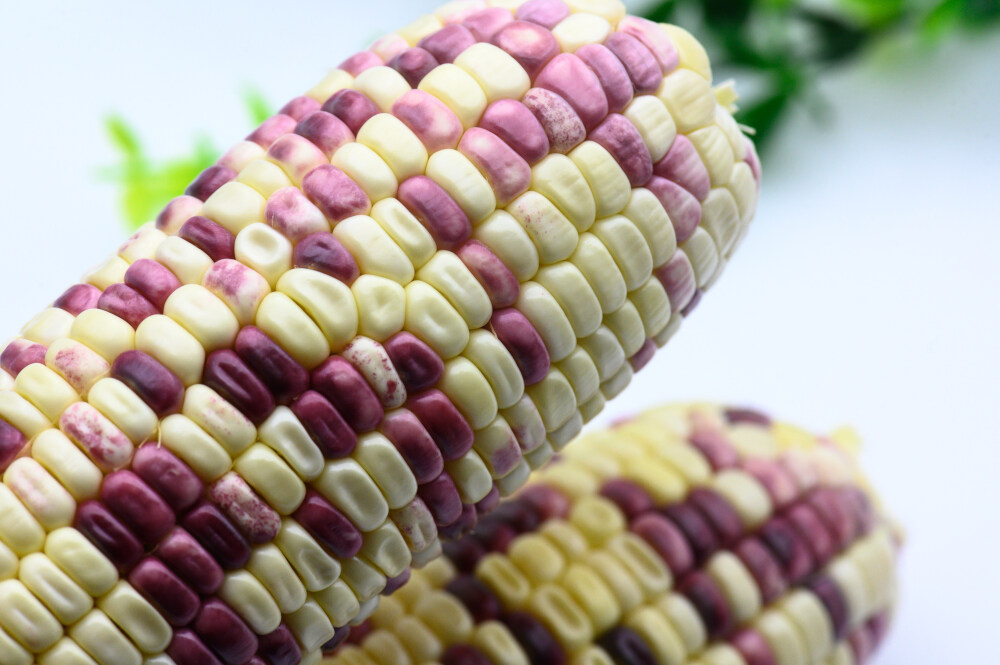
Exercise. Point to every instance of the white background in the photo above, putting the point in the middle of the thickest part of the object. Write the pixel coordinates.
(866, 293)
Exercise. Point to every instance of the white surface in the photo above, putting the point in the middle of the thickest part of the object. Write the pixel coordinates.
(866, 292)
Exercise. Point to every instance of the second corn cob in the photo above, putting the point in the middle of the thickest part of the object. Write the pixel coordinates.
(690, 534)
(354, 333)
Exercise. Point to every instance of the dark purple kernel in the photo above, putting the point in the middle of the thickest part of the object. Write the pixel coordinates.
(713, 445)
(416, 363)
(813, 532)
(519, 513)
(394, 584)
(464, 553)
(78, 298)
(695, 528)
(349, 392)
(414, 444)
(360, 632)
(828, 505)
(285, 378)
(669, 542)
(325, 131)
(763, 567)
(464, 654)
(878, 626)
(753, 647)
(447, 43)
(154, 281)
(695, 299)
(126, 303)
(723, 518)
(626, 647)
(137, 506)
(450, 431)
(859, 505)
(330, 527)
(156, 385)
(736, 416)
(209, 180)
(640, 64)
(414, 64)
(189, 560)
(488, 502)
(630, 498)
(339, 636)
(464, 525)
(12, 441)
(833, 600)
(109, 535)
(186, 649)
(211, 238)
(495, 536)
(19, 354)
(352, 107)
(485, 23)
(520, 338)
(280, 648)
(228, 375)
(172, 479)
(300, 107)
(323, 252)
(547, 502)
(791, 552)
(709, 601)
(481, 602)
(218, 535)
(530, 44)
(642, 357)
(225, 633)
(169, 595)
(536, 640)
(325, 425)
(442, 499)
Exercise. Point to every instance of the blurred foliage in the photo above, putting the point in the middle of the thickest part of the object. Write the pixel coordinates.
(785, 46)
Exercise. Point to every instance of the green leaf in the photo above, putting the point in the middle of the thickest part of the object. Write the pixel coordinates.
(122, 136)
(662, 11)
(727, 12)
(837, 39)
(257, 106)
(941, 20)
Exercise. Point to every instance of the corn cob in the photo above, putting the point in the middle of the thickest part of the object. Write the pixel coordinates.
(362, 326)
(690, 534)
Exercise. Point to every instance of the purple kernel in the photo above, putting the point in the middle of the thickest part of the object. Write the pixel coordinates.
(723, 518)
(447, 43)
(626, 647)
(528, 43)
(695, 528)
(19, 354)
(191, 562)
(359, 62)
(352, 107)
(325, 131)
(639, 62)
(331, 528)
(519, 336)
(753, 647)
(414, 444)
(338, 381)
(284, 377)
(488, 502)
(833, 600)
(442, 499)
(630, 498)
(417, 364)
(714, 446)
(548, 502)
(218, 535)
(279, 647)
(169, 595)
(228, 375)
(394, 584)
(571, 78)
(642, 357)
(518, 127)
(538, 643)
(414, 64)
(325, 425)
(335, 193)
(109, 535)
(461, 527)
(464, 654)
(126, 303)
(519, 513)
(445, 424)
(156, 385)
(12, 442)
(186, 649)
(209, 237)
(481, 602)
(209, 180)
(564, 129)
(137, 506)
(496, 536)
(681, 205)
(763, 567)
(710, 603)
(669, 542)
(546, 13)
(791, 552)
(271, 129)
(225, 633)
(300, 107)
(486, 23)
(621, 138)
(436, 210)
(737, 416)
(78, 298)
(323, 252)
(154, 281)
(174, 480)
(813, 531)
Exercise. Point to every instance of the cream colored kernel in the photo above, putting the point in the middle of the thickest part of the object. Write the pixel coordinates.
(471, 477)
(655, 124)
(327, 300)
(560, 180)
(199, 450)
(265, 250)
(248, 598)
(500, 75)
(598, 266)
(103, 640)
(137, 618)
(183, 259)
(272, 569)
(704, 255)
(366, 582)
(203, 315)
(108, 272)
(24, 617)
(219, 418)
(647, 213)
(434, 320)
(49, 502)
(103, 332)
(283, 432)
(173, 346)
(579, 29)
(394, 142)
(374, 249)
(405, 230)
(458, 90)
(422, 27)
(383, 463)
(334, 81)
(366, 168)
(22, 414)
(235, 206)
(82, 561)
(346, 484)
(452, 278)
(383, 85)
(608, 183)
(49, 325)
(458, 176)
(288, 325)
(142, 244)
(611, 10)
(19, 530)
(548, 318)
(497, 365)
(566, 283)
(469, 391)
(689, 98)
(509, 240)
(264, 176)
(119, 404)
(271, 477)
(317, 569)
(692, 54)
